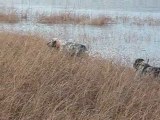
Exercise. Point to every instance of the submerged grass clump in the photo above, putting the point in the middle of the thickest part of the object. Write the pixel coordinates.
(38, 83)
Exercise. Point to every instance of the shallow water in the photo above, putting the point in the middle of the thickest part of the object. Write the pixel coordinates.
(122, 41)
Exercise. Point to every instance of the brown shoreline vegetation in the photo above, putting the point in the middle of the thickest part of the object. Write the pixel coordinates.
(10, 17)
(70, 18)
(38, 83)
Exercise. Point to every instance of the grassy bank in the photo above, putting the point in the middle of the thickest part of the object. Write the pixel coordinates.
(38, 83)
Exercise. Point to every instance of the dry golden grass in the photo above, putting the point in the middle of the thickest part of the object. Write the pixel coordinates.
(70, 18)
(38, 83)
(10, 17)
